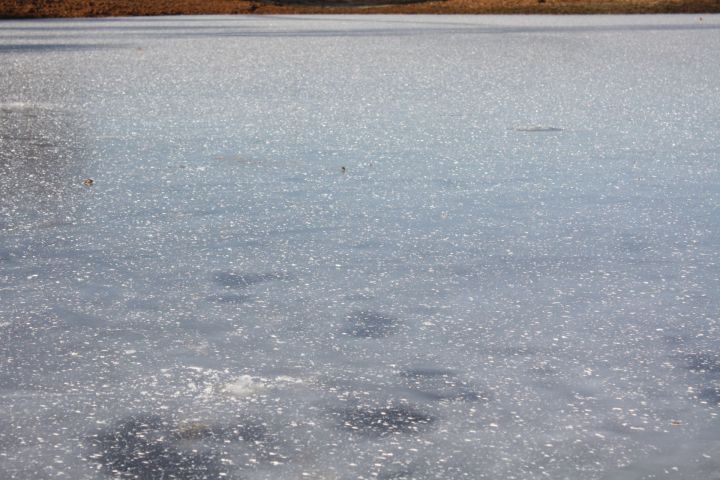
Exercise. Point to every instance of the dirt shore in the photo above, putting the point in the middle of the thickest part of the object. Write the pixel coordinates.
(110, 8)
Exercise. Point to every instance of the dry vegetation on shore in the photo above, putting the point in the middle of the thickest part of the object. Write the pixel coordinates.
(102, 8)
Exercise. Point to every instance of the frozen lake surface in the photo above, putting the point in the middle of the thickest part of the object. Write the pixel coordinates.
(516, 275)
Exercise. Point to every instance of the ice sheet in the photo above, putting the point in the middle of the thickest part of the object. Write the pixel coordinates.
(360, 247)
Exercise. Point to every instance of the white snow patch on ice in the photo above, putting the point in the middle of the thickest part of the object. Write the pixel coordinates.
(536, 128)
(22, 106)
(244, 386)
(288, 379)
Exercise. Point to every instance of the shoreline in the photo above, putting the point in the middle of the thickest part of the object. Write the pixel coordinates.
(19, 9)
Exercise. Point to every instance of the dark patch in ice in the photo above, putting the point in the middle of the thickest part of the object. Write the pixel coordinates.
(207, 212)
(231, 298)
(370, 245)
(148, 447)
(369, 324)
(385, 421)
(710, 395)
(76, 319)
(4, 254)
(395, 475)
(704, 362)
(536, 128)
(675, 341)
(296, 179)
(426, 372)
(139, 447)
(634, 243)
(7, 436)
(459, 395)
(544, 370)
(358, 297)
(439, 384)
(148, 304)
(235, 158)
(243, 280)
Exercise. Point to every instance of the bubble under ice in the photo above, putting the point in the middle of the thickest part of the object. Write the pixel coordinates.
(416, 247)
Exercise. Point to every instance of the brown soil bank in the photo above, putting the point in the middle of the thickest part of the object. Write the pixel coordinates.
(109, 8)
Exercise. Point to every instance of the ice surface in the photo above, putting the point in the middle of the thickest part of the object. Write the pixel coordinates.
(360, 247)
